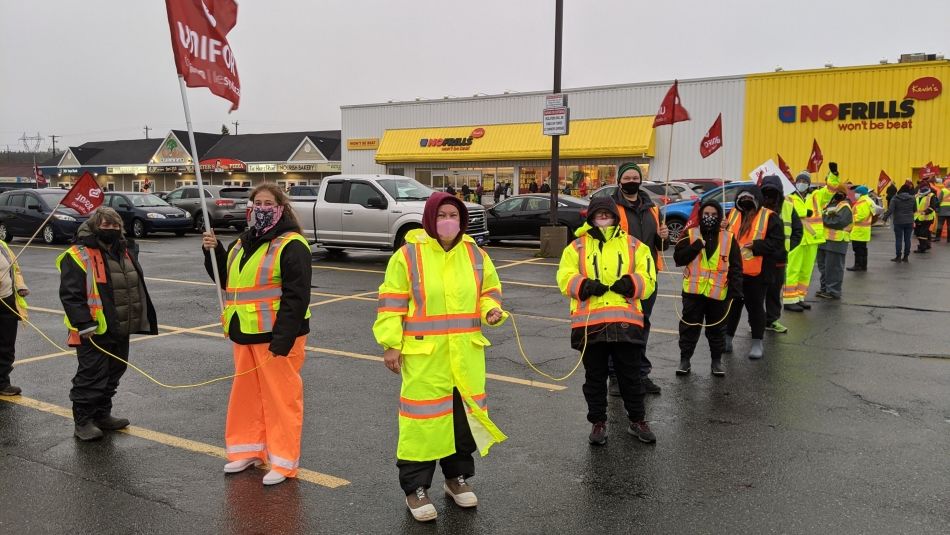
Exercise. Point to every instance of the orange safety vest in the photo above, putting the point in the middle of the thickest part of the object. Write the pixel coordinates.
(625, 225)
(701, 276)
(90, 259)
(752, 266)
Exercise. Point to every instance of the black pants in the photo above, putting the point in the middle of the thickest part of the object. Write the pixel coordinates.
(8, 327)
(626, 360)
(699, 309)
(753, 290)
(860, 249)
(941, 221)
(775, 286)
(415, 474)
(645, 365)
(922, 231)
(97, 377)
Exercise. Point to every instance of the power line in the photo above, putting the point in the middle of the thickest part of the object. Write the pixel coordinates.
(235, 123)
(146, 131)
(53, 137)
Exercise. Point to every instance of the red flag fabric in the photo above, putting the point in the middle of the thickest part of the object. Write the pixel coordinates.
(929, 171)
(693, 220)
(671, 111)
(85, 195)
(882, 181)
(38, 177)
(815, 159)
(202, 53)
(784, 168)
(712, 141)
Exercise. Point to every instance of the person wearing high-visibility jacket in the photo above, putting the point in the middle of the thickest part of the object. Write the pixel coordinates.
(760, 235)
(774, 267)
(439, 289)
(712, 277)
(837, 218)
(943, 215)
(102, 289)
(640, 218)
(801, 259)
(607, 273)
(266, 276)
(925, 216)
(13, 292)
(864, 210)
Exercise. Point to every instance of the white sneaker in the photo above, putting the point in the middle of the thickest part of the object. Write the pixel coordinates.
(460, 492)
(420, 506)
(241, 465)
(274, 477)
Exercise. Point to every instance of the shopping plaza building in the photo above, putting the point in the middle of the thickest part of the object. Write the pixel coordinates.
(890, 117)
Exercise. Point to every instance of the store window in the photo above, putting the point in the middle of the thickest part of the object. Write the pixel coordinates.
(182, 183)
(578, 180)
(238, 183)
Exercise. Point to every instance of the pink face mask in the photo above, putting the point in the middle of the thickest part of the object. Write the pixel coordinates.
(448, 229)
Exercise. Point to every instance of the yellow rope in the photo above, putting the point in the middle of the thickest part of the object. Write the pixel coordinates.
(133, 366)
(580, 359)
(680, 316)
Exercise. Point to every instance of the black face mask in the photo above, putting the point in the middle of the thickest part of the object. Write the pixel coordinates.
(109, 236)
(709, 223)
(630, 188)
(746, 205)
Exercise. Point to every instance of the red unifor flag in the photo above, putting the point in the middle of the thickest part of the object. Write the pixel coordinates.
(783, 167)
(882, 182)
(203, 56)
(671, 111)
(929, 171)
(693, 220)
(85, 195)
(712, 141)
(38, 177)
(815, 159)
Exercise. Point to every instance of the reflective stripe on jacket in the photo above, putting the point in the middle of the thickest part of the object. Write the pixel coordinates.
(253, 291)
(16, 279)
(787, 222)
(840, 235)
(817, 234)
(923, 204)
(863, 215)
(709, 277)
(91, 262)
(432, 304)
(750, 266)
(625, 225)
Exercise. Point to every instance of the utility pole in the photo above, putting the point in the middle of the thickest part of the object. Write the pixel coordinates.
(146, 131)
(53, 137)
(235, 123)
(556, 140)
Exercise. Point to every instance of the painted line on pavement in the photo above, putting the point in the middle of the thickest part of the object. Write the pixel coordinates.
(356, 270)
(518, 263)
(178, 281)
(165, 439)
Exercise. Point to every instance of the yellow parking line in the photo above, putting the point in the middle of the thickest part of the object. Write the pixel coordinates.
(518, 263)
(360, 296)
(356, 270)
(165, 439)
(500, 248)
(196, 283)
(502, 378)
(14, 246)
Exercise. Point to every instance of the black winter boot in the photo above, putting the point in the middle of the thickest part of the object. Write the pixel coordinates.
(717, 368)
(684, 367)
(88, 431)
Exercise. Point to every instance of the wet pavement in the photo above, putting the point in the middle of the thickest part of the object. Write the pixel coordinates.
(844, 427)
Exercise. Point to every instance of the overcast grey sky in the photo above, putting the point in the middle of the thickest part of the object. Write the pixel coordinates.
(102, 69)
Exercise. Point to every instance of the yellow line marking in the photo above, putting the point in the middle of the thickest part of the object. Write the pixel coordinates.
(357, 270)
(357, 297)
(502, 378)
(518, 263)
(344, 298)
(39, 247)
(310, 476)
(500, 248)
(196, 283)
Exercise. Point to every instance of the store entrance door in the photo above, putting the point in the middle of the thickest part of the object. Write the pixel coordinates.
(441, 180)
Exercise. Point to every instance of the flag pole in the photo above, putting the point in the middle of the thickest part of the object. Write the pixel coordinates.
(669, 162)
(201, 189)
(35, 234)
(722, 177)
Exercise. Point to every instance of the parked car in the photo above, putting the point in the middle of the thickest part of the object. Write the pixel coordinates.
(522, 216)
(371, 212)
(144, 213)
(23, 211)
(304, 193)
(160, 194)
(677, 214)
(658, 191)
(702, 185)
(227, 205)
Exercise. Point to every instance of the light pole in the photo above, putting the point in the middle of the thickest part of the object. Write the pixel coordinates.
(556, 140)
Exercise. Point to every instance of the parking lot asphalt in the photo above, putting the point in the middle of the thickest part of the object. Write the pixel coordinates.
(844, 427)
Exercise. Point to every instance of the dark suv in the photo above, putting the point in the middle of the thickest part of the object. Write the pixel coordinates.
(227, 205)
(23, 211)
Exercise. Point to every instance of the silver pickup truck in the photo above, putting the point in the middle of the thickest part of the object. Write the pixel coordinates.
(371, 212)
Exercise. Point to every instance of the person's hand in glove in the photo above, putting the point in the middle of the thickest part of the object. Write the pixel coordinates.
(592, 287)
(624, 286)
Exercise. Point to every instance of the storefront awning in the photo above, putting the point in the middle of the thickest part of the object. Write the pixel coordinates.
(592, 138)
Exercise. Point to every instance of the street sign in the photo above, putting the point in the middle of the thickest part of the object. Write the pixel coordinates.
(558, 100)
(556, 121)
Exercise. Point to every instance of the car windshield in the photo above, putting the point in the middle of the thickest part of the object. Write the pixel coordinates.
(147, 201)
(406, 189)
(51, 198)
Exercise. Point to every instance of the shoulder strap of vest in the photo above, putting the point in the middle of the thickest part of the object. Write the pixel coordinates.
(93, 258)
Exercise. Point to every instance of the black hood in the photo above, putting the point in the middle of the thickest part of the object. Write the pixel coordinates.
(602, 203)
(756, 194)
(772, 182)
(711, 202)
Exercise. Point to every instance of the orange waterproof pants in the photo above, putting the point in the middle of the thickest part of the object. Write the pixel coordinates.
(265, 411)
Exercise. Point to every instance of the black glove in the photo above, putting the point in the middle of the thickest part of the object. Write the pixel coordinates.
(624, 286)
(833, 167)
(592, 287)
(810, 213)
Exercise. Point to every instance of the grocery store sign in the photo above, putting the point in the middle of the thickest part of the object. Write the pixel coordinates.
(453, 143)
(867, 115)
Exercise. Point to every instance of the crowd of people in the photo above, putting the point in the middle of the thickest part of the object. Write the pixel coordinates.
(439, 291)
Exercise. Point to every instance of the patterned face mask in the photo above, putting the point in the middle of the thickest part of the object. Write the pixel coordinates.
(709, 221)
(265, 217)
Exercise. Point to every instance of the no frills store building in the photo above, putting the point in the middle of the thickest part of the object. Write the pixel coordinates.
(890, 117)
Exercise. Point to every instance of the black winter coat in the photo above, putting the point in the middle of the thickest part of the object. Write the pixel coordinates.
(642, 224)
(296, 273)
(72, 286)
(684, 253)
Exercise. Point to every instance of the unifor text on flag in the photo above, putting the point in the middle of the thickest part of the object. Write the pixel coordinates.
(85, 195)
(671, 110)
(203, 55)
(712, 141)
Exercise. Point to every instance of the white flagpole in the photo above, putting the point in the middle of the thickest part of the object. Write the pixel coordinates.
(201, 189)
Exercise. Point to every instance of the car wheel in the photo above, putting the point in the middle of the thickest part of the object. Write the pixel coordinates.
(401, 236)
(179, 233)
(5, 234)
(138, 228)
(676, 227)
(334, 252)
(49, 236)
(199, 222)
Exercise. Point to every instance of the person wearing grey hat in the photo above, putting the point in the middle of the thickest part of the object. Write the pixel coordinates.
(837, 218)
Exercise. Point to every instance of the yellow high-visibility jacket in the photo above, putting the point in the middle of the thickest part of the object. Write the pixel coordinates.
(18, 283)
(432, 304)
(620, 255)
(863, 216)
